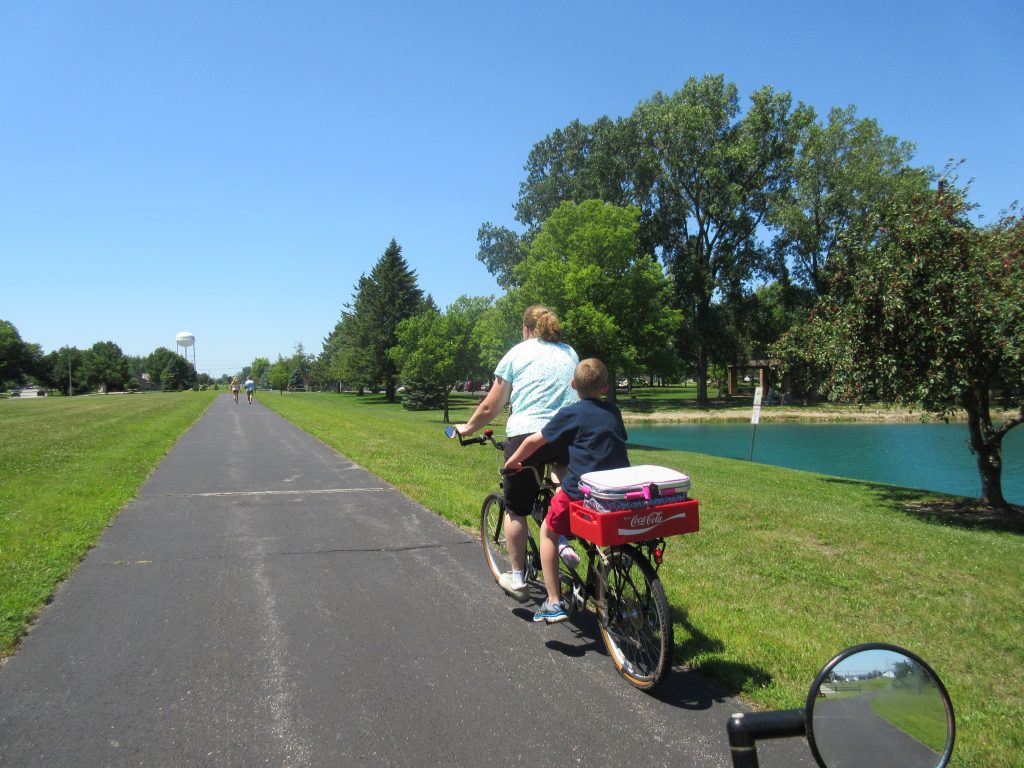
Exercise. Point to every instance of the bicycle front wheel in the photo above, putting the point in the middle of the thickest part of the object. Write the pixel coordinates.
(492, 535)
(636, 623)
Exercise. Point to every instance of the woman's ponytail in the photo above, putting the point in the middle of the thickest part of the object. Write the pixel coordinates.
(542, 323)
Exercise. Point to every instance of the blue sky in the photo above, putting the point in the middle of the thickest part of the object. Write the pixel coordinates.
(232, 168)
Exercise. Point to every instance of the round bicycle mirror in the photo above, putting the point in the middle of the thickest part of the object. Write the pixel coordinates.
(877, 704)
(450, 431)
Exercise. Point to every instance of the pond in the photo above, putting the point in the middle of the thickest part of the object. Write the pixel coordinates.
(932, 457)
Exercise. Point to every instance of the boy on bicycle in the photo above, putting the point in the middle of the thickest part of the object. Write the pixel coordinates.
(596, 437)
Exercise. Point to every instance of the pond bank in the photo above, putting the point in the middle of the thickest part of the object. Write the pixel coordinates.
(635, 413)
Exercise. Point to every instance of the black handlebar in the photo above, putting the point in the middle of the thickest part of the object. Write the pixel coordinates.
(486, 437)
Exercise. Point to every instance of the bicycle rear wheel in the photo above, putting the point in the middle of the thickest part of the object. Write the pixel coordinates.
(636, 623)
(492, 535)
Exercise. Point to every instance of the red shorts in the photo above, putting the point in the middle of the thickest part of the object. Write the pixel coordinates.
(558, 514)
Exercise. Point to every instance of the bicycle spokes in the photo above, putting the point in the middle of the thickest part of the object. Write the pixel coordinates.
(636, 626)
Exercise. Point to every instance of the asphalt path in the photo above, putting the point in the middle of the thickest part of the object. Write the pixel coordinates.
(850, 734)
(264, 601)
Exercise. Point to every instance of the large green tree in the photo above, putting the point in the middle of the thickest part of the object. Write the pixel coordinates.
(720, 172)
(434, 349)
(369, 327)
(604, 160)
(19, 360)
(705, 176)
(931, 313)
(106, 367)
(169, 370)
(278, 375)
(496, 331)
(259, 370)
(394, 296)
(586, 263)
(300, 367)
(843, 170)
(345, 358)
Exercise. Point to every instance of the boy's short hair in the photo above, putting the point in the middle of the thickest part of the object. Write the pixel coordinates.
(591, 377)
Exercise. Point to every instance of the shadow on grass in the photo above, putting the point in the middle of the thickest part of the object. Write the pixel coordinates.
(729, 677)
(953, 511)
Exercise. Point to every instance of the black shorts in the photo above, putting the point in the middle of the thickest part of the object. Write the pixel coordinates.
(521, 487)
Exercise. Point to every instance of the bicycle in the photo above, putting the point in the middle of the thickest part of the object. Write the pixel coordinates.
(619, 579)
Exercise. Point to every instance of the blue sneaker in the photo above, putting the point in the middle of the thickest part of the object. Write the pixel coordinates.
(552, 613)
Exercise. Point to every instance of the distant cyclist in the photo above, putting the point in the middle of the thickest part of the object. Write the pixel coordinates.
(250, 387)
(535, 375)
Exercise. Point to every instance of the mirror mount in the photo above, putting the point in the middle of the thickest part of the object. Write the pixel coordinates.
(747, 728)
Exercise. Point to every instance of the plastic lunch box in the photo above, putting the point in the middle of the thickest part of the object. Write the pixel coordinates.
(631, 504)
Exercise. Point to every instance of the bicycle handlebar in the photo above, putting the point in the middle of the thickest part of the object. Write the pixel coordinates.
(488, 436)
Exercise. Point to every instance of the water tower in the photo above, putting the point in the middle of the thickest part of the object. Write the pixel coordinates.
(184, 340)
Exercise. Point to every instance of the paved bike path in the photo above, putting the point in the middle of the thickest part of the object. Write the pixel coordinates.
(265, 601)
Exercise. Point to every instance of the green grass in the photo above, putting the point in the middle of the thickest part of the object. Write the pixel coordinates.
(68, 466)
(916, 711)
(788, 568)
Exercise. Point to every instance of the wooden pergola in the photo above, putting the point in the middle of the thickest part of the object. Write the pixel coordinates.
(763, 369)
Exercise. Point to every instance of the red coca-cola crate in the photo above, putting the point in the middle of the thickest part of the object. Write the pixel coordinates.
(624, 526)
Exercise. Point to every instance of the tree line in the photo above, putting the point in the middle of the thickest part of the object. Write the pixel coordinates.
(101, 367)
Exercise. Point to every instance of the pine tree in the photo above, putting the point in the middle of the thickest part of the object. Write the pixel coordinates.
(356, 351)
(390, 295)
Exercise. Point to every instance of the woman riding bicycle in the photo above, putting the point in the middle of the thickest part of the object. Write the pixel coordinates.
(535, 375)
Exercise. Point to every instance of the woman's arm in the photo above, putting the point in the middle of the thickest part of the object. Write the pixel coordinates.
(489, 407)
(525, 450)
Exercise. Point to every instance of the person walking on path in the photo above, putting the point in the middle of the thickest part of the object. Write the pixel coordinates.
(250, 387)
(234, 389)
(535, 376)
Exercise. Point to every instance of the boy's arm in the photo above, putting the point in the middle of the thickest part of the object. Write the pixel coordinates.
(525, 450)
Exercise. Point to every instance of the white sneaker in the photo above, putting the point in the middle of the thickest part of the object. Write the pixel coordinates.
(567, 553)
(520, 593)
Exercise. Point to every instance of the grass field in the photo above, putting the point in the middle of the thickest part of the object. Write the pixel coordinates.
(788, 567)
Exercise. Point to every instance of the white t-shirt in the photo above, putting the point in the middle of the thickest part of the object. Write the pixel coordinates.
(540, 373)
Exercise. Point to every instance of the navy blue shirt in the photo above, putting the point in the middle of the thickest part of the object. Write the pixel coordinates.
(596, 437)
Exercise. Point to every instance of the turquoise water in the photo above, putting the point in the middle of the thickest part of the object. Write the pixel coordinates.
(933, 457)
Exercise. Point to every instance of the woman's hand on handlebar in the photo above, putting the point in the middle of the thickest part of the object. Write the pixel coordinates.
(513, 464)
(461, 431)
